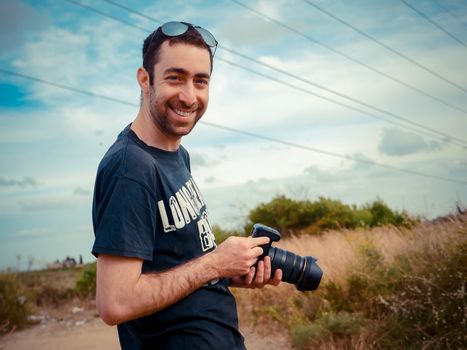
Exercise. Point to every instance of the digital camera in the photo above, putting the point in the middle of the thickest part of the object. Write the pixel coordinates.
(302, 271)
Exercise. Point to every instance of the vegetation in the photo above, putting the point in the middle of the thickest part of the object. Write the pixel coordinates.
(390, 281)
(14, 308)
(86, 283)
(304, 216)
(21, 294)
(383, 288)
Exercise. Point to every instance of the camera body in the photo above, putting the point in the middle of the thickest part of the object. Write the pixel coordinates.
(303, 272)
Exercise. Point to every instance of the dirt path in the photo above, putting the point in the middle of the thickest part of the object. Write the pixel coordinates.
(94, 334)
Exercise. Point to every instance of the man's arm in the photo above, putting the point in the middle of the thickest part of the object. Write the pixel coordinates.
(124, 293)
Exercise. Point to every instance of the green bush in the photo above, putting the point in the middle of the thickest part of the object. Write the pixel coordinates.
(86, 283)
(289, 215)
(221, 234)
(336, 325)
(284, 213)
(342, 323)
(382, 215)
(305, 335)
(14, 308)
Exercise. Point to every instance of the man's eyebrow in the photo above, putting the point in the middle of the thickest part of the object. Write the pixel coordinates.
(185, 72)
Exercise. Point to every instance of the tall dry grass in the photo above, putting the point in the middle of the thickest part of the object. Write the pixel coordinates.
(378, 264)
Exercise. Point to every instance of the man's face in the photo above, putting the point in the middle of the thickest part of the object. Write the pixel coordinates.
(180, 92)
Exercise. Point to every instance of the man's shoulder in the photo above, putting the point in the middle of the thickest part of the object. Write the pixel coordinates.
(126, 158)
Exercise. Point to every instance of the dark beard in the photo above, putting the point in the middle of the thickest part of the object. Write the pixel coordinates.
(161, 120)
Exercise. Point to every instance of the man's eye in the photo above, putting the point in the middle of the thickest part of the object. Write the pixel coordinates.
(201, 82)
(173, 78)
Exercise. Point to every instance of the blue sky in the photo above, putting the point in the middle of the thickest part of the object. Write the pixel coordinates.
(51, 139)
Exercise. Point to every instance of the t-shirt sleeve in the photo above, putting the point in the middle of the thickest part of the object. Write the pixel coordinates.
(125, 220)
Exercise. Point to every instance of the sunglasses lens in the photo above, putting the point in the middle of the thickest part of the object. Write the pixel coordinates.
(178, 28)
(207, 37)
(174, 28)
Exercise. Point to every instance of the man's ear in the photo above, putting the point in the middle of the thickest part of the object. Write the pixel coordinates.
(143, 79)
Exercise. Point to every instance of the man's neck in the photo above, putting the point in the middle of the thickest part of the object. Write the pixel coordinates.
(146, 130)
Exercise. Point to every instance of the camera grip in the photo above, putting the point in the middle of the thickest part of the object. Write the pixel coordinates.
(260, 230)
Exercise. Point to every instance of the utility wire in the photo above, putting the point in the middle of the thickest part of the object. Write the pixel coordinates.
(452, 14)
(390, 114)
(444, 137)
(66, 87)
(242, 132)
(387, 47)
(129, 9)
(321, 96)
(421, 14)
(350, 58)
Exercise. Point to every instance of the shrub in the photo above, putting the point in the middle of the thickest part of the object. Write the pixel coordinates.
(342, 323)
(288, 215)
(382, 215)
(427, 310)
(284, 213)
(47, 295)
(86, 283)
(221, 234)
(305, 335)
(14, 308)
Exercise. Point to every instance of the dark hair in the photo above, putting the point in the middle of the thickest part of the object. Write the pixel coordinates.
(152, 44)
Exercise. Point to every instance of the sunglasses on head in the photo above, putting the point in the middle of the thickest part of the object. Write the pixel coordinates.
(173, 29)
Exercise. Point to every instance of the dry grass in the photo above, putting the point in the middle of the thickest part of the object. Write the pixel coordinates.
(338, 252)
(342, 254)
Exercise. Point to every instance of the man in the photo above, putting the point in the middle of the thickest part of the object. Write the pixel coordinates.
(160, 275)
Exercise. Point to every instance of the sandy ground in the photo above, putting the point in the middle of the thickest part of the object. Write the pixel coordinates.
(79, 328)
(93, 334)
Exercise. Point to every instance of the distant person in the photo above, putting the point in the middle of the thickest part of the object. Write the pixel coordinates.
(160, 276)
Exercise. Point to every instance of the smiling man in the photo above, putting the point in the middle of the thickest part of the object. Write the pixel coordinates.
(160, 275)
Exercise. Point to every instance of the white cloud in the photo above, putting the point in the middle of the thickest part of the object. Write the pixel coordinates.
(24, 182)
(396, 142)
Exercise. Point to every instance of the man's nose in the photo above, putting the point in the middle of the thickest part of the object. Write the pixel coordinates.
(187, 94)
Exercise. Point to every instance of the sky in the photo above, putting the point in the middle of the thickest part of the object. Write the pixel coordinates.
(351, 100)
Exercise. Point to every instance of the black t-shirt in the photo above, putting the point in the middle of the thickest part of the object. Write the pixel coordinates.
(146, 205)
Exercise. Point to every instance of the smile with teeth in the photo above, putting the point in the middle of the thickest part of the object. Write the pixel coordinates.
(183, 113)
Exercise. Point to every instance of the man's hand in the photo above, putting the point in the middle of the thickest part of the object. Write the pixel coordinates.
(258, 278)
(235, 256)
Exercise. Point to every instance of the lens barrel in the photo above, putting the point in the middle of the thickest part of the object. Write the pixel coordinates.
(303, 272)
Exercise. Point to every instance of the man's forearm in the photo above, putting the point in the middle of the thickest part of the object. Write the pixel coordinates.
(124, 293)
(136, 296)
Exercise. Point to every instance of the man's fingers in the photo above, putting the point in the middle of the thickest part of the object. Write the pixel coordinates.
(277, 278)
(257, 251)
(259, 273)
(267, 267)
(256, 241)
(249, 276)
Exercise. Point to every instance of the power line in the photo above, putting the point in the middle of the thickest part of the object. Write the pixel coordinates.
(452, 14)
(350, 58)
(66, 87)
(421, 14)
(320, 96)
(390, 114)
(242, 132)
(129, 9)
(106, 14)
(440, 135)
(387, 47)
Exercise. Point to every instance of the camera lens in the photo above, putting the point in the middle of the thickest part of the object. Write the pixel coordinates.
(298, 270)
